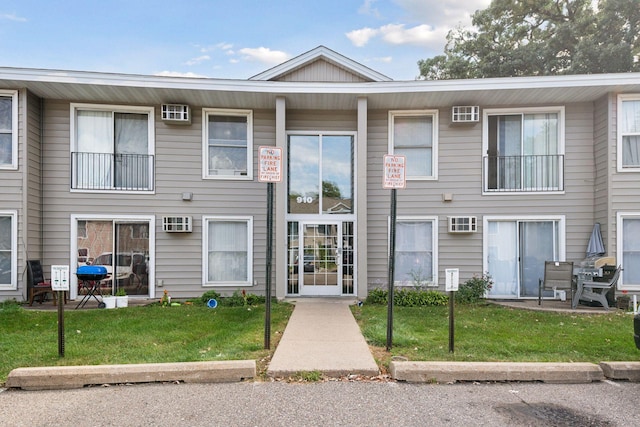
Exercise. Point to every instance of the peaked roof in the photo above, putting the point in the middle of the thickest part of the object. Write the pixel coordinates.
(326, 54)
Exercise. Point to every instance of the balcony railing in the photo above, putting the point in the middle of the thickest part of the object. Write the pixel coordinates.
(536, 173)
(108, 171)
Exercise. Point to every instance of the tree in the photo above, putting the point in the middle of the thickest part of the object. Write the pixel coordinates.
(331, 189)
(541, 37)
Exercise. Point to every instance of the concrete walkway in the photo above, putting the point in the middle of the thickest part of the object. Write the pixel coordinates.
(322, 335)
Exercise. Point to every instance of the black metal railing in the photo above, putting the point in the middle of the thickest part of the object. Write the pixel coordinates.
(523, 173)
(108, 171)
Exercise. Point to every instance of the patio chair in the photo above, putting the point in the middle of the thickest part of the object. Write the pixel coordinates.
(557, 275)
(592, 291)
(37, 284)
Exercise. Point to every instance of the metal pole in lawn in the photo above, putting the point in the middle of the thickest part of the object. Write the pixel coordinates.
(267, 318)
(60, 323)
(392, 252)
(451, 323)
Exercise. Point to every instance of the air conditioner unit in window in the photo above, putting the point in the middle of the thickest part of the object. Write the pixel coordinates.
(177, 224)
(463, 224)
(465, 113)
(176, 114)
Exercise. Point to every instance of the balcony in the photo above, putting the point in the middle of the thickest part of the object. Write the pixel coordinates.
(108, 171)
(534, 173)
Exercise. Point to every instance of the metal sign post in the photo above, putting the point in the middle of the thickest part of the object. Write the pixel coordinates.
(394, 178)
(269, 171)
(60, 284)
(451, 283)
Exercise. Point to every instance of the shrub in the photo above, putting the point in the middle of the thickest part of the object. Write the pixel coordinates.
(474, 289)
(408, 297)
(209, 295)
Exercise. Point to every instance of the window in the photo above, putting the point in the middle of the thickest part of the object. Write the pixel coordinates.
(228, 142)
(112, 148)
(413, 134)
(8, 130)
(8, 251)
(629, 132)
(415, 258)
(629, 250)
(524, 150)
(228, 249)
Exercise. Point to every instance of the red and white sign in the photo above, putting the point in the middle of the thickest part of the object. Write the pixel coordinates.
(270, 164)
(394, 171)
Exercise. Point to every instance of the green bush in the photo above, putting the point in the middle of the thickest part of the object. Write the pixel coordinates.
(408, 297)
(209, 295)
(474, 289)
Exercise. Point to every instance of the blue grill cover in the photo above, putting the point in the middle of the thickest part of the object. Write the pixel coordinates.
(91, 272)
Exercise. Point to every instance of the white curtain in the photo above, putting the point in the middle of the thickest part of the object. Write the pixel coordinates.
(630, 124)
(5, 250)
(413, 138)
(414, 253)
(540, 141)
(94, 136)
(6, 124)
(228, 252)
(631, 250)
(131, 148)
(538, 243)
(502, 258)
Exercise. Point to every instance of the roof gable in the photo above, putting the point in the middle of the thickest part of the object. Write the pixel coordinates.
(321, 65)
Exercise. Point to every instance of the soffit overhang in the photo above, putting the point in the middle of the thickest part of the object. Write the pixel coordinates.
(78, 86)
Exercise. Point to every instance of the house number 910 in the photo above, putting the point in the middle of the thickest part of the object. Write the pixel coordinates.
(306, 199)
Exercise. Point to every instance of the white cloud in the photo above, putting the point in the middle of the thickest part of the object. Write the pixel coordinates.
(362, 36)
(398, 34)
(177, 74)
(12, 17)
(438, 13)
(198, 60)
(368, 9)
(264, 55)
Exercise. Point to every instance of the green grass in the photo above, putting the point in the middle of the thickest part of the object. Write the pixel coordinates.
(148, 334)
(486, 332)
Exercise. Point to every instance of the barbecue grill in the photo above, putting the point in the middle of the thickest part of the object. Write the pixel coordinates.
(89, 277)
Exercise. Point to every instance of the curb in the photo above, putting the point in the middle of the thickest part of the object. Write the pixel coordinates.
(450, 372)
(67, 377)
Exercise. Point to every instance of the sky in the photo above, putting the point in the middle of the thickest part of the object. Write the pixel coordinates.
(231, 39)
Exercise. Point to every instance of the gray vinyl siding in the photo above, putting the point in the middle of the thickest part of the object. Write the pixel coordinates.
(460, 173)
(178, 169)
(321, 71)
(625, 186)
(12, 197)
(604, 154)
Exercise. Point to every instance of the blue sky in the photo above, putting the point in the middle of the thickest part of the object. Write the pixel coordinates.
(233, 39)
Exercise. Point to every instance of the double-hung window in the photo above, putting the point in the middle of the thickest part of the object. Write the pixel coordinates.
(228, 144)
(228, 251)
(629, 133)
(524, 150)
(628, 237)
(8, 130)
(413, 134)
(8, 250)
(415, 254)
(112, 148)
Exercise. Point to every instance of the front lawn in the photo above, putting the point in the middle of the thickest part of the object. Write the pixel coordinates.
(149, 334)
(487, 332)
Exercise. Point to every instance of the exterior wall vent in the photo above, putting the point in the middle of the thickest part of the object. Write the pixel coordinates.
(463, 224)
(176, 114)
(465, 113)
(177, 224)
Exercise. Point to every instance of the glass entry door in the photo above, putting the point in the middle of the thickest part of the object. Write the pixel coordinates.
(516, 254)
(320, 258)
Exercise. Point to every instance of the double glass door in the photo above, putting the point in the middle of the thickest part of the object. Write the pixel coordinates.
(320, 258)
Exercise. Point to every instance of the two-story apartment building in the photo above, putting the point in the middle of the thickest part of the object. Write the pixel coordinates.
(156, 177)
